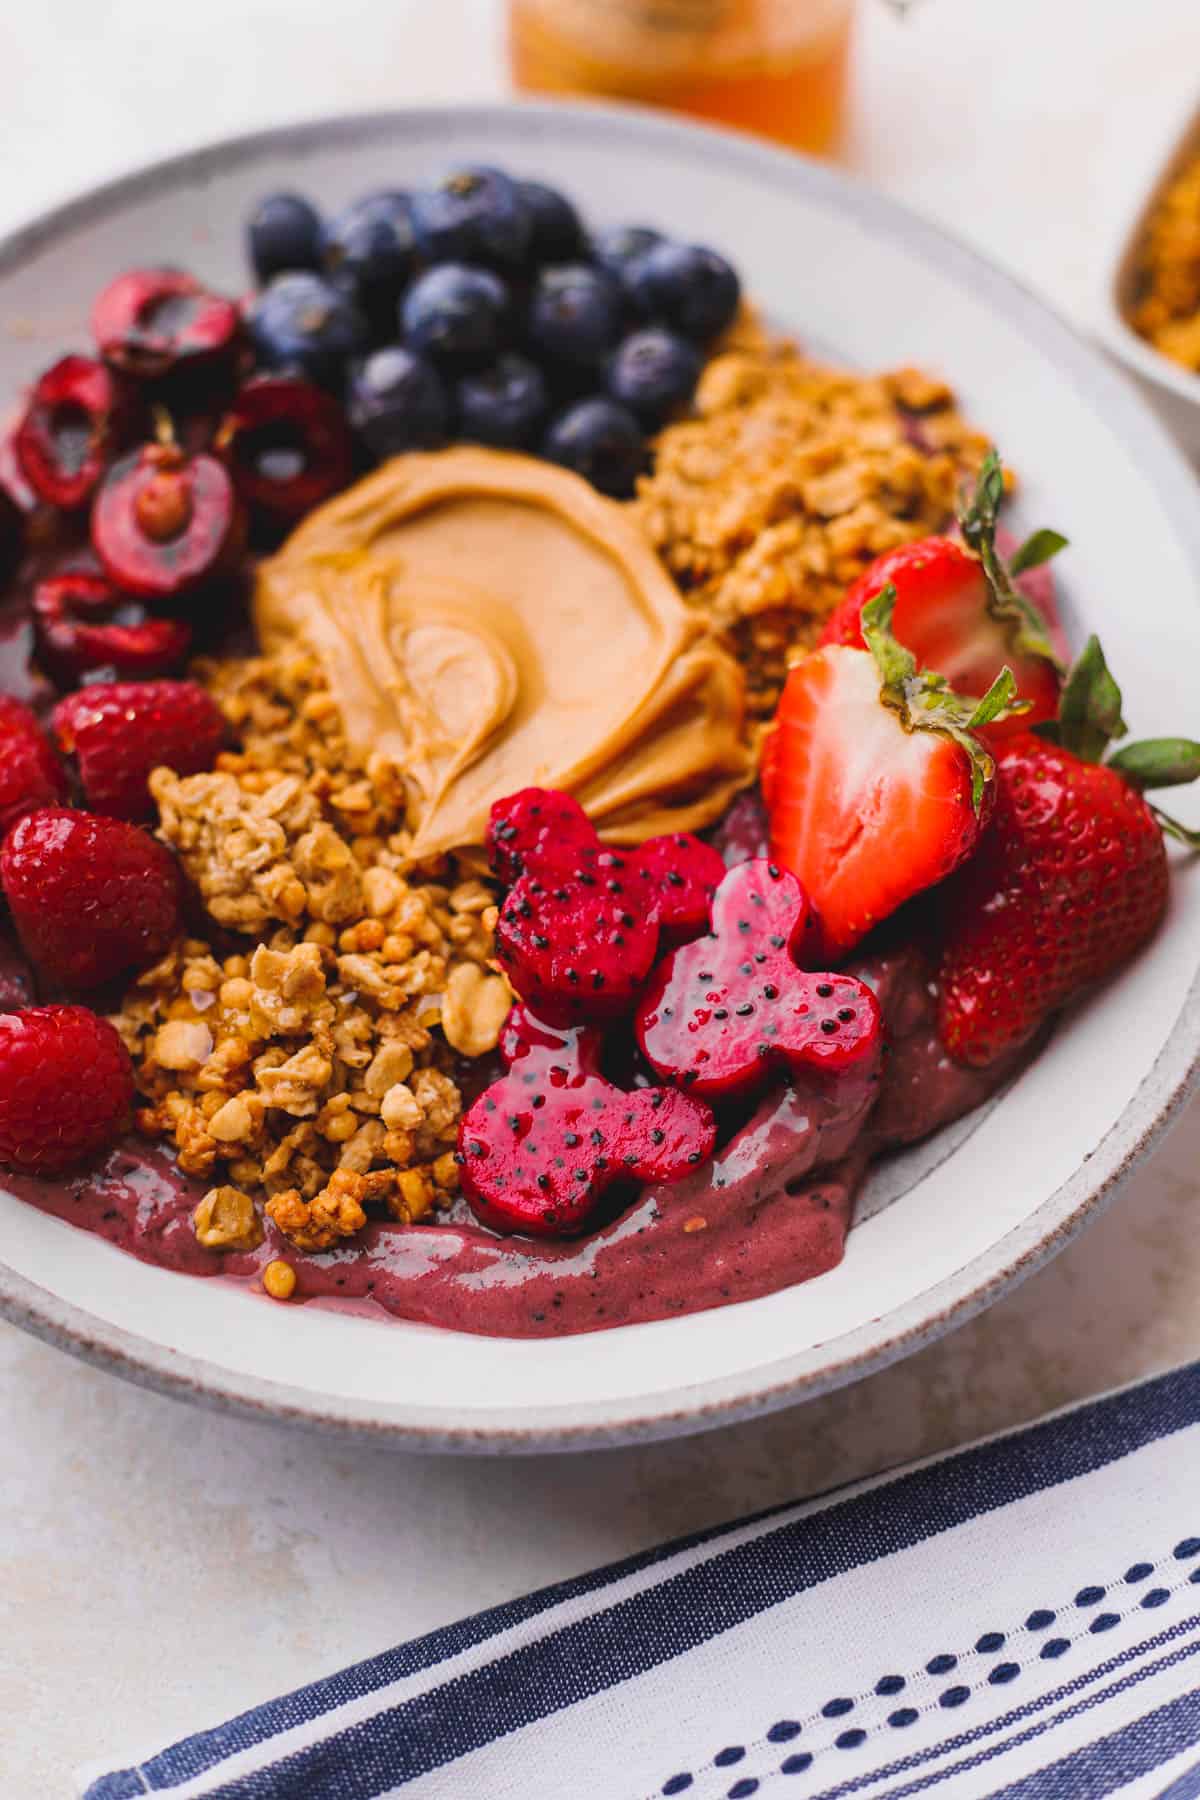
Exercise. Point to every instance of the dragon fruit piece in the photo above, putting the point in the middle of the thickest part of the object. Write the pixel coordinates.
(723, 1011)
(572, 948)
(535, 828)
(541, 829)
(582, 924)
(539, 1148)
(682, 874)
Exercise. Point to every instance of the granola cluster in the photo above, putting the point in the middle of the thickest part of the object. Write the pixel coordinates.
(311, 1062)
(788, 482)
(1167, 311)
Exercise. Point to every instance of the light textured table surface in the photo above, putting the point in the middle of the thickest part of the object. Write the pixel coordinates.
(161, 1567)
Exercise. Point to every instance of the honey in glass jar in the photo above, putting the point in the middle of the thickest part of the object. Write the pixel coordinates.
(773, 66)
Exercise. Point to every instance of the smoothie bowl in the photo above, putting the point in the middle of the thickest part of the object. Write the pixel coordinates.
(530, 793)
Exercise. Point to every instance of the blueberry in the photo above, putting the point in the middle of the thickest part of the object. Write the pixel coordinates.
(653, 373)
(602, 442)
(575, 314)
(301, 322)
(557, 234)
(616, 248)
(456, 313)
(691, 289)
(283, 232)
(370, 252)
(397, 402)
(473, 215)
(504, 405)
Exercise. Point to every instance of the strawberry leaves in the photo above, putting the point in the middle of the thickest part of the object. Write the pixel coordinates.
(1089, 710)
(1037, 549)
(1089, 720)
(1158, 762)
(925, 701)
(977, 522)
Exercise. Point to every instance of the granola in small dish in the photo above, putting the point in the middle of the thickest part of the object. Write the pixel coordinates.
(1166, 309)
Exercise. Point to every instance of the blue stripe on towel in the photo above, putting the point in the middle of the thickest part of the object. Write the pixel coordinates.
(642, 1631)
(1185, 1786)
(1123, 1756)
(1027, 1787)
(1018, 1716)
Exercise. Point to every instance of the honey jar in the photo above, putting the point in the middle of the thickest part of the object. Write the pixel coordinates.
(777, 67)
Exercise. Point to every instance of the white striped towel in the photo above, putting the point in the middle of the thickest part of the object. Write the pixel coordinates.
(1018, 1619)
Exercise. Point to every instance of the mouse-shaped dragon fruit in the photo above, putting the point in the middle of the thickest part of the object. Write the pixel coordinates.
(725, 1010)
(582, 924)
(538, 1148)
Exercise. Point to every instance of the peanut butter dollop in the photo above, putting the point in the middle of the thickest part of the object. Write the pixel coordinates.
(488, 622)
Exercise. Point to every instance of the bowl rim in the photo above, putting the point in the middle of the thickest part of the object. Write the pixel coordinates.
(1178, 147)
(1061, 1215)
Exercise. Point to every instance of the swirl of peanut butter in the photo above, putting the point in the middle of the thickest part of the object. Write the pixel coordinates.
(489, 622)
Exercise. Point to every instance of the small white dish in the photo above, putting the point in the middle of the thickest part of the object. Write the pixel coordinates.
(1173, 390)
(947, 1229)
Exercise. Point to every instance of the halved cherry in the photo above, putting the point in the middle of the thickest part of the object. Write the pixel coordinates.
(65, 436)
(287, 445)
(148, 321)
(163, 521)
(82, 623)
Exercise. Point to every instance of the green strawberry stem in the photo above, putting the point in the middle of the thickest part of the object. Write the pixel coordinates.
(1089, 719)
(925, 701)
(1006, 603)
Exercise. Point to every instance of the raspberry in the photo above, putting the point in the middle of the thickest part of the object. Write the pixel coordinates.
(120, 730)
(30, 773)
(91, 897)
(50, 1115)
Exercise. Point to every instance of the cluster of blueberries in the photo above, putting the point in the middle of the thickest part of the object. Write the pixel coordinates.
(481, 309)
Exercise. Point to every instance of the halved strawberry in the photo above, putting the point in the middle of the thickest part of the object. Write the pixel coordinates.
(878, 788)
(1071, 876)
(959, 608)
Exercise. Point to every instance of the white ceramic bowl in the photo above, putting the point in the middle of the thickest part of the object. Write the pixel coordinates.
(1174, 391)
(945, 1231)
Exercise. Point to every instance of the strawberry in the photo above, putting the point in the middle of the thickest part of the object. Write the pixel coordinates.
(66, 1087)
(878, 788)
(91, 898)
(1071, 875)
(30, 773)
(119, 731)
(960, 610)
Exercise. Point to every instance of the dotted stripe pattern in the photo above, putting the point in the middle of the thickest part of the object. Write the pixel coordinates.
(1107, 1606)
